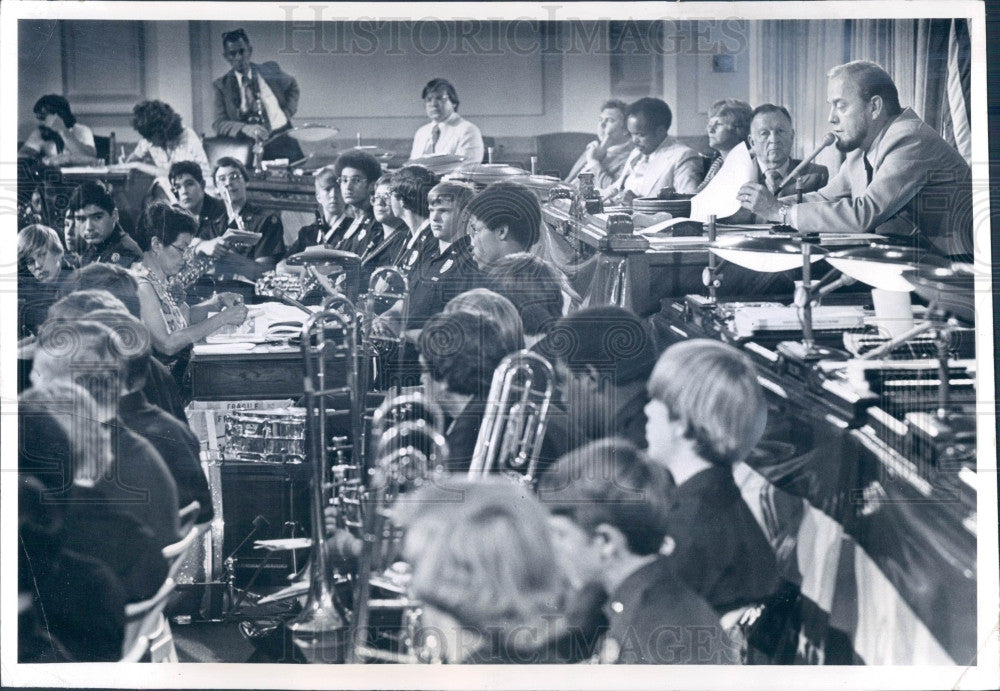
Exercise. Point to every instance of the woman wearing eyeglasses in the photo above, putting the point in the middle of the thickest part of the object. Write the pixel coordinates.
(164, 233)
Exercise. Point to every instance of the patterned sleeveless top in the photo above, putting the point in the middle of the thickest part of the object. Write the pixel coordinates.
(166, 292)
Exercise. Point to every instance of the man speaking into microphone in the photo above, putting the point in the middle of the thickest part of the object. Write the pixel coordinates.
(900, 178)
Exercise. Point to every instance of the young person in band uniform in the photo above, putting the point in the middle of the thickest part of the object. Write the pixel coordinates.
(188, 183)
(706, 412)
(357, 172)
(394, 230)
(410, 187)
(96, 219)
(445, 267)
(238, 265)
(458, 353)
(331, 216)
(608, 524)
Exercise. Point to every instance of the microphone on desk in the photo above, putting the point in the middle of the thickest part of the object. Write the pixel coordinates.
(829, 139)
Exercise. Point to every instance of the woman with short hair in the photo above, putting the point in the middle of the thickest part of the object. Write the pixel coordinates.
(164, 233)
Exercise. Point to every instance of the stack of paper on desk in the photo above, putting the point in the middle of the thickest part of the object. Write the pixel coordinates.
(260, 319)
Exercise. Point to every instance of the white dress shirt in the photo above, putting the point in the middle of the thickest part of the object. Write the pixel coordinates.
(672, 164)
(187, 148)
(458, 136)
(275, 115)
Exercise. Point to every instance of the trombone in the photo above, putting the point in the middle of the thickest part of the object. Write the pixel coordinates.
(328, 338)
(513, 428)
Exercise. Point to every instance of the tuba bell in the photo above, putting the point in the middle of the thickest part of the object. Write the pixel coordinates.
(513, 428)
(410, 450)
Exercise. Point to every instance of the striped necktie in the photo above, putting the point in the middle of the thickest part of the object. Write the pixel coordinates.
(435, 136)
(712, 170)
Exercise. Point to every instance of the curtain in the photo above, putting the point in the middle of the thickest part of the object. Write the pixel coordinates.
(789, 60)
(929, 59)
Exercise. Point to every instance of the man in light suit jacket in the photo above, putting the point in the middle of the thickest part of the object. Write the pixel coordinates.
(900, 178)
(255, 101)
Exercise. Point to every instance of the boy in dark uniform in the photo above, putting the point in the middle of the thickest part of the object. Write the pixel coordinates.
(239, 265)
(394, 231)
(96, 221)
(357, 172)
(608, 526)
(188, 184)
(445, 267)
(410, 187)
(706, 413)
(331, 216)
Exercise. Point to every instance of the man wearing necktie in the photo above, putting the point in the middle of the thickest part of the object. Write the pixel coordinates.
(447, 132)
(771, 139)
(899, 178)
(255, 101)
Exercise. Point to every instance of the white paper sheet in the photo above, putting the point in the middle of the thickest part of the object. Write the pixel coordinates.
(719, 196)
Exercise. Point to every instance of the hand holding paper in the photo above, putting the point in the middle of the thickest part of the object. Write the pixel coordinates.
(719, 196)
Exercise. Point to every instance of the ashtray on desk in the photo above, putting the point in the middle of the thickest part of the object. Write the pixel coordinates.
(652, 205)
(674, 227)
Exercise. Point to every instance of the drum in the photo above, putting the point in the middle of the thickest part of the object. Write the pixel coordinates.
(266, 436)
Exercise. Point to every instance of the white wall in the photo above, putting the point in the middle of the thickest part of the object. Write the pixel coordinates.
(378, 94)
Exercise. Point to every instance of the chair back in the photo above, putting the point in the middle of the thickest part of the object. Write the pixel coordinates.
(174, 553)
(102, 146)
(188, 515)
(218, 147)
(143, 618)
(558, 151)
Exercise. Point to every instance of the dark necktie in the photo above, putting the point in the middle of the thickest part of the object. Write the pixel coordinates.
(869, 171)
(772, 179)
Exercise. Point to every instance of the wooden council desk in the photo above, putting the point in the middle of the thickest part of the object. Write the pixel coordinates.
(637, 272)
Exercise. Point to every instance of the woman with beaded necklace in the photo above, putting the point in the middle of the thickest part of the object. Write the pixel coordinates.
(163, 234)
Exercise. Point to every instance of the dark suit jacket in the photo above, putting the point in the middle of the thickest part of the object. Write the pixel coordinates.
(226, 122)
(813, 177)
(178, 446)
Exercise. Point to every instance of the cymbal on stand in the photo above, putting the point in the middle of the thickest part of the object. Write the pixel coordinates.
(951, 289)
(764, 254)
(882, 266)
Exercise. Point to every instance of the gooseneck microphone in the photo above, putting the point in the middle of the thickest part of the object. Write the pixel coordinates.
(829, 139)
